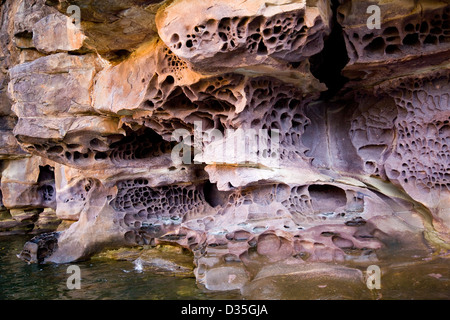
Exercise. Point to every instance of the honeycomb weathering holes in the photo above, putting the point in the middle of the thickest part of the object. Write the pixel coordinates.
(412, 35)
(117, 150)
(283, 35)
(423, 138)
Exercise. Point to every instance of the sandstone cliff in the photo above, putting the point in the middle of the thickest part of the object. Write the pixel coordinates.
(131, 120)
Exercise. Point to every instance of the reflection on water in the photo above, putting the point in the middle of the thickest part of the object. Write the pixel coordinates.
(107, 279)
(100, 279)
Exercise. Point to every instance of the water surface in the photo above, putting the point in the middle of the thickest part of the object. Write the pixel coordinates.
(418, 278)
(100, 279)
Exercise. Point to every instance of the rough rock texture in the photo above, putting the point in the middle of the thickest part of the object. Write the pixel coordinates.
(243, 34)
(354, 166)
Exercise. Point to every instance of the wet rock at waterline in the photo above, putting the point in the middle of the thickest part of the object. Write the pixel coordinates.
(165, 260)
(265, 139)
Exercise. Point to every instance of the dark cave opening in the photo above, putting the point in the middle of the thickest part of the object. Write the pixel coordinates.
(328, 64)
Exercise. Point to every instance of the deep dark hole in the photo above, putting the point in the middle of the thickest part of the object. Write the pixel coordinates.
(24, 34)
(76, 155)
(55, 149)
(431, 40)
(391, 49)
(424, 27)
(411, 39)
(169, 80)
(213, 196)
(390, 31)
(409, 28)
(262, 49)
(100, 156)
(326, 197)
(376, 46)
(46, 173)
(328, 64)
(118, 55)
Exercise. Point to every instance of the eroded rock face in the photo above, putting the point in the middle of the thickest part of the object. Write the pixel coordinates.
(214, 131)
(242, 34)
(412, 33)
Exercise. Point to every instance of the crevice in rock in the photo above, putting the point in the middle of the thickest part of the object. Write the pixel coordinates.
(328, 64)
(213, 196)
(118, 56)
(46, 189)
